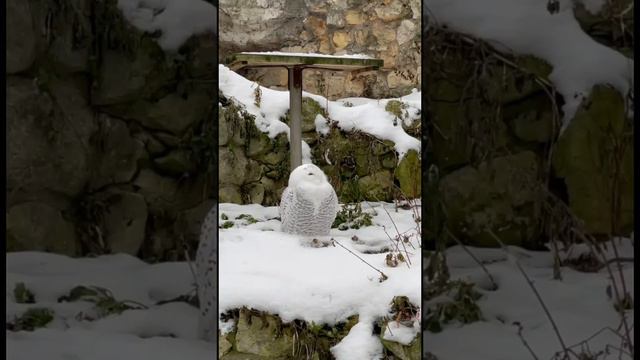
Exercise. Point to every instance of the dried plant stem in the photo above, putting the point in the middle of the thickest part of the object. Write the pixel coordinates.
(619, 299)
(484, 268)
(537, 294)
(361, 259)
(524, 342)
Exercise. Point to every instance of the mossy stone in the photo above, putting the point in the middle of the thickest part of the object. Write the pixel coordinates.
(500, 194)
(585, 156)
(262, 334)
(177, 162)
(412, 351)
(408, 174)
(377, 186)
(396, 108)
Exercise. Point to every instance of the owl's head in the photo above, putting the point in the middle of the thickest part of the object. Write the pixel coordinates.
(307, 173)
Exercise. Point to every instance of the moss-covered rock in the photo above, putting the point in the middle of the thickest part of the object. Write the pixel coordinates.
(22, 39)
(177, 162)
(50, 125)
(396, 108)
(125, 221)
(595, 149)
(118, 153)
(531, 120)
(360, 166)
(260, 335)
(412, 351)
(263, 334)
(174, 112)
(167, 194)
(310, 109)
(377, 186)
(37, 226)
(230, 194)
(225, 344)
(408, 174)
(500, 195)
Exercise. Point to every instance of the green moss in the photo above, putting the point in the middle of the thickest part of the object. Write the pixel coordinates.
(266, 336)
(351, 216)
(105, 303)
(408, 174)
(247, 218)
(378, 186)
(227, 224)
(461, 307)
(594, 155)
(310, 109)
(23, 295)
(32, 319)
(396, 107)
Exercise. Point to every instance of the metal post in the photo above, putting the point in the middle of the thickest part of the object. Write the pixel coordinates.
(295, 115)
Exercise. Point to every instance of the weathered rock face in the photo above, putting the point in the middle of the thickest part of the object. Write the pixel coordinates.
(110, 139)
(255, 169)
(36, 226)
(260, 24)
(263, 336)
(498, 195)
(49, 127)
(389, 30)
(594, 157)
(493, 136)
(22, 40)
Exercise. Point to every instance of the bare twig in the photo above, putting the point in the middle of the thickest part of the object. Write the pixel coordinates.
(524, 342)
(484, 268)
(535, 291)
(384, 277)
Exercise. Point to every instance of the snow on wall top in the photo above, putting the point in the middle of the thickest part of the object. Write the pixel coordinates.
(366, 115)
(527, 27)
(178, 20)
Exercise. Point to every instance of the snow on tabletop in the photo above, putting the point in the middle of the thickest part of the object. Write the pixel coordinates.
(578, 303)
(280, 53)
(366, 115)
(526, 27)
(178, 20)
(133, 334)
(271, 271)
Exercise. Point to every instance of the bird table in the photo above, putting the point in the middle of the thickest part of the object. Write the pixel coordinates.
(295, 63)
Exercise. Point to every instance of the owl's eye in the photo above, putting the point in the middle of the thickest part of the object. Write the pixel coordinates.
(310, 174)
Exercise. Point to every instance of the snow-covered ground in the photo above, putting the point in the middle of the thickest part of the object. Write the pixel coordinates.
(366, 115)
(526, 27)
(167, 331)
(579, 304)
(268, 270)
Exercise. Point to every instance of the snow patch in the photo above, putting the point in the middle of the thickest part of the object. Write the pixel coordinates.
(159, 332)
(178, 20)
(270, 271)
(360, 114)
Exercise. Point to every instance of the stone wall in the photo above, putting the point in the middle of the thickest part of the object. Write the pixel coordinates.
(255, 169)
(386, 29)
(493, 138)
(110, 139)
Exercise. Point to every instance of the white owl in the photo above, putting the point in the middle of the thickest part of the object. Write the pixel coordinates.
(207, 276)
(309, 204)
